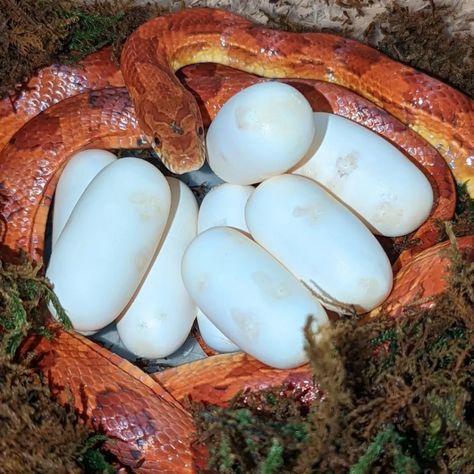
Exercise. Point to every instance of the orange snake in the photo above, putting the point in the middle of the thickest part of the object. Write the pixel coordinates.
(66, 108)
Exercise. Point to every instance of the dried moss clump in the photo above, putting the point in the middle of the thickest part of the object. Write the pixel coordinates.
(36, 434)
(262, 432)
(31, 33)
(397, 397)
(24, 299)
(427, 40)
(35, 33)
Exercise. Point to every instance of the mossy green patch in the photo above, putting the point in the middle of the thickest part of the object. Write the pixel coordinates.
(36, 434)
(24, 299)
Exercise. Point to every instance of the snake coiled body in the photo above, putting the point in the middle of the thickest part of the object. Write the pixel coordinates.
(151, 56)
(67, 108)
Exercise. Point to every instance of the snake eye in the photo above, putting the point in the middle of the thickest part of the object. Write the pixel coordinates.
(200, 131)
(156, 142)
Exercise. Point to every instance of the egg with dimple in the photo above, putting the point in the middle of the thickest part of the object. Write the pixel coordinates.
(80, 170)
(109, 241)
(250, 296)
(223, 205)
(262, 131)
(370, 175)
(159, 318)
(321, 242)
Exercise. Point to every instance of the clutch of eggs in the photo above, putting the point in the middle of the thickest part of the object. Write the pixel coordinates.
(253, 263)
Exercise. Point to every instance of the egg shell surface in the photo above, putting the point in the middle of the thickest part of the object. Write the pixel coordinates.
(214, 338)
(250, 296)
(370, 175)
(223, 205)
(109, 241)
(160, 316)
(262, 131)
(320, 241)
(80, 170)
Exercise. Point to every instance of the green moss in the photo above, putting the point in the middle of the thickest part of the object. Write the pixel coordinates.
(24, 299)
(254, 436)
(274, 461)
(91, 459)
(376, 448)
(90, 32)
(36, 434)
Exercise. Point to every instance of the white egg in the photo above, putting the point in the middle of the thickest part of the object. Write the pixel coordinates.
(76, 176)
(109, 241)
(366, 172)
(251, 297)
(159, 318)
(214, 338)
(223, 205)
(320, 241)
(260, 132)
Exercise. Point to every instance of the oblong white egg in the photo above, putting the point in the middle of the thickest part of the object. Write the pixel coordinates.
(109, 241)
(212, 336)
(370, 175)
(320, 241)
(251, 297)
(223, 205)
(261, 131)
(80, 170)
(160, 316)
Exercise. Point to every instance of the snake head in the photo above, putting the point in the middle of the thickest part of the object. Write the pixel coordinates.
(178, 138)
(180, 155)
(166, 111)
